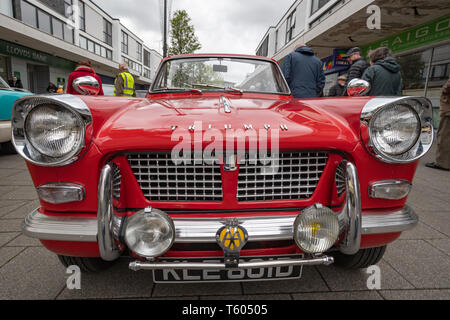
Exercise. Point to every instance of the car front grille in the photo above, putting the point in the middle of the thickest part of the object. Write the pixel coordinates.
(296, 177)
(162, 180)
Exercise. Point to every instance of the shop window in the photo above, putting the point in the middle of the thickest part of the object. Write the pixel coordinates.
(28, 13)
(415, 69)
(58, 28)
(44, 22)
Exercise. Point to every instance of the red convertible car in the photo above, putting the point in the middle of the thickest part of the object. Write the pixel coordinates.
(219, 174)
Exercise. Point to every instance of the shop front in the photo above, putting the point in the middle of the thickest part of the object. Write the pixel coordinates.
(333, 67)
(424, 54)
(34, 68)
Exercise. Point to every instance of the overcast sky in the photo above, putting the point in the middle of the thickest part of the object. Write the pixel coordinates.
(222, 26)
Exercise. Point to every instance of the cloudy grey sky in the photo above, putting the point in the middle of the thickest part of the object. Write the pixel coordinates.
(225, 26)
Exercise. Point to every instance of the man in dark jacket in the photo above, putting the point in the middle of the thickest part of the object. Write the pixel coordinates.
(338, 89)
(358, 65)
(15, 83)
(304, 73)
(384, 75)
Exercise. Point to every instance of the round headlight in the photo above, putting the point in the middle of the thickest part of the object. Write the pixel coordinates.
(395, 129)
(150, 233)
(316, 229)
(54, 131)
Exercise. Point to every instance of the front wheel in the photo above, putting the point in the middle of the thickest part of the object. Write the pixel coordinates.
(363, 259)
(87, 265)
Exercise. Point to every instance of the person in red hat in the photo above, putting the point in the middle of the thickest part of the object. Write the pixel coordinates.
(83, 69)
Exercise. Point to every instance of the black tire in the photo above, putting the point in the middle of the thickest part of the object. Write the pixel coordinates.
(87, 265)
(8, 148)
(361, 260)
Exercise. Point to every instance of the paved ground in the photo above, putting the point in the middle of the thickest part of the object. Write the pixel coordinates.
(415, 267)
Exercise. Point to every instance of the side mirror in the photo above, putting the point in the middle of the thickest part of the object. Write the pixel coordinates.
(87, 86)
(358, 87)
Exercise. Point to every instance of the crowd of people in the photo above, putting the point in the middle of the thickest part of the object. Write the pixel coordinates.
(306, 79)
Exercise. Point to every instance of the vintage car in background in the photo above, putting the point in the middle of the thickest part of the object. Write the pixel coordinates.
(219, 174)
(8, 96)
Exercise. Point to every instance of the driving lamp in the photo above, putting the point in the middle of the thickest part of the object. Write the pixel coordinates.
(54, 131)
(316, 229)
(395, 129)
(150, 233)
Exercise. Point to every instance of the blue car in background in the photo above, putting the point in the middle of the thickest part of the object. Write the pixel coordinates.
(8, 96)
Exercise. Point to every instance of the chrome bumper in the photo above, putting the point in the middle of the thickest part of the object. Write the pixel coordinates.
(105, 228)
(138, 265)
(44, 227)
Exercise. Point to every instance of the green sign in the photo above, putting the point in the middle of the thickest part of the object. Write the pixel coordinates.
(431, 32)
(15, 50)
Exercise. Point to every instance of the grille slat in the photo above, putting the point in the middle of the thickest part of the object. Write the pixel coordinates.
(161, 179)
(296, 177)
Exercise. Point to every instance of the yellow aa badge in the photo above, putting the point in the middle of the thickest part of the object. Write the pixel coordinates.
(232, 238)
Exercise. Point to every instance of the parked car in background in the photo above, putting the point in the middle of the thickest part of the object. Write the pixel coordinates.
(8, 96)
(219, 174)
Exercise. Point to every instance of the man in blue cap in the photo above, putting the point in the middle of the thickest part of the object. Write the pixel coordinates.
(358, 65)
(304, 73)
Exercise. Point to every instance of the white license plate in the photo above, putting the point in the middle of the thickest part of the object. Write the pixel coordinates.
(243, 275)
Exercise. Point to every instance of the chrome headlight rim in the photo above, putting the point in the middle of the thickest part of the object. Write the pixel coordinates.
(375, 143)
(422, 107)
(79, 143)
(24, 147)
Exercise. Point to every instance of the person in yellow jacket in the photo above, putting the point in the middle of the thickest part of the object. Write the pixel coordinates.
(124, 83)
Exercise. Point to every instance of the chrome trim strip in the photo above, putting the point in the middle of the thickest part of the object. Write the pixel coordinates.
(45, 227)
(105, 217)
(259, 228)
(399, 221)
(351, 214)
(138, 265)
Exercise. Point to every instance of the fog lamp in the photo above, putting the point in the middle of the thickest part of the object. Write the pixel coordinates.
(316, 229)
(150, 233)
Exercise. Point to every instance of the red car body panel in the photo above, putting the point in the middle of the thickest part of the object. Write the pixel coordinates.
(123, 125)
